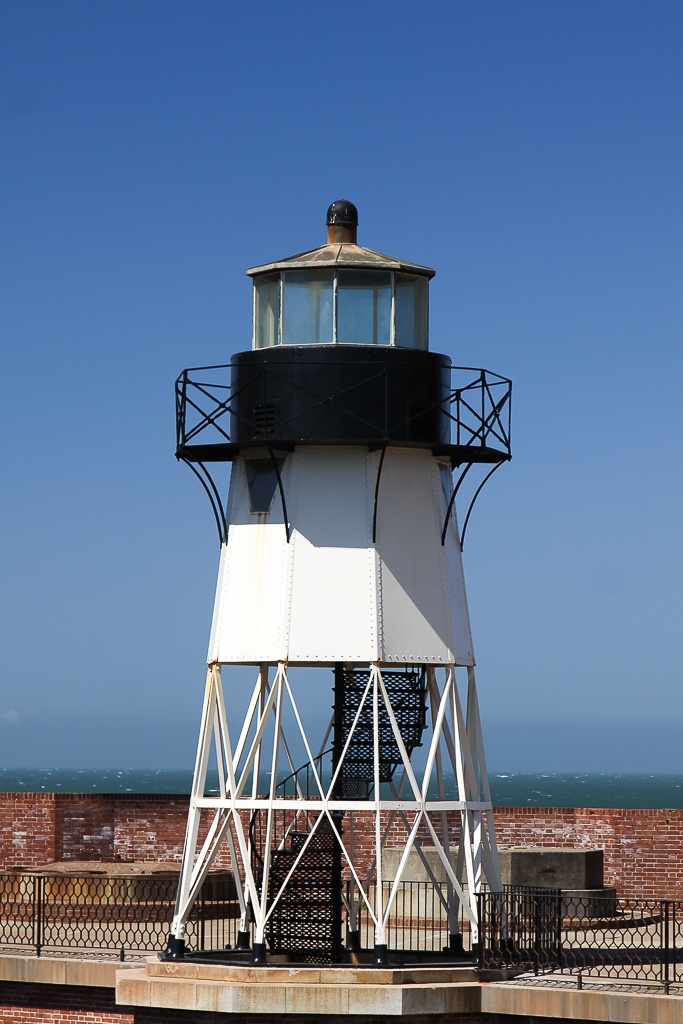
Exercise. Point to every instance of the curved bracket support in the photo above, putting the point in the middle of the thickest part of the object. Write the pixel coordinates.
(207, 482)
(451, 500)
(374, 511)
(282, 492)
(476, 495)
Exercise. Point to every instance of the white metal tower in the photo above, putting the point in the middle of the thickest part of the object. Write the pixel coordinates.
(341, 583)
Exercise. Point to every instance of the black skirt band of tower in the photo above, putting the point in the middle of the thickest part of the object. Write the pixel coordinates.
(340, 395)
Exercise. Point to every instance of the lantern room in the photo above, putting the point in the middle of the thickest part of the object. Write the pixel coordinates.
(341, 294)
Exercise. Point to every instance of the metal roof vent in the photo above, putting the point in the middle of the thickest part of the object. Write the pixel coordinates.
(342, 222)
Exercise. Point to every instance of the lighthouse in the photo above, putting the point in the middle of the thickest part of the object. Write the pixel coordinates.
(354, 749)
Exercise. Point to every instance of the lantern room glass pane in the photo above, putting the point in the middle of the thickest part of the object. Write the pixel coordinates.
(411, 311)
(307, 307)
(364, 307)
(266, 310)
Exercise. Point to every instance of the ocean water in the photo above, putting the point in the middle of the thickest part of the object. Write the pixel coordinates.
(604, 789)
(513, 789)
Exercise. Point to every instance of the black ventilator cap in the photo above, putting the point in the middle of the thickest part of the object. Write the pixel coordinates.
(342, 212)
(342, 221)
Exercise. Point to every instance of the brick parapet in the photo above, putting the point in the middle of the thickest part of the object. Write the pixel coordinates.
(27, 829)
(643, 847)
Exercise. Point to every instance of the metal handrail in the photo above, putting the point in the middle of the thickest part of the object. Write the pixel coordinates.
(281, 788)
(522, 928)
(317, 761)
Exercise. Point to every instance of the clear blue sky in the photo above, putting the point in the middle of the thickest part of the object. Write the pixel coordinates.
(531, 151)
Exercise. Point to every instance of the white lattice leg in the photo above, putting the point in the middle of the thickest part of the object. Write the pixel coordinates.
(176, 946)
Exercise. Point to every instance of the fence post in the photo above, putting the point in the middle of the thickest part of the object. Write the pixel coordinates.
(674, 935)
(665, 944)
(558, 930)
(38, 893)
(481, 944)
(202, 945)
(538, 939)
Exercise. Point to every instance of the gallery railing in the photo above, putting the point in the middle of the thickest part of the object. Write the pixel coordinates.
(475, 409)
(468, 421)
(623, 939)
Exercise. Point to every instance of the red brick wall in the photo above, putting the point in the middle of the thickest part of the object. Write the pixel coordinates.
(36, 828)
(153, 828)
(67, 1004)
(27, 829)
(60, 1004)
(46, 1015)
(84, 827)
(101, 826)
(643, 848)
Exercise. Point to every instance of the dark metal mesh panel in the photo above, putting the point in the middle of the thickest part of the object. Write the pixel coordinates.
(407, 694)
(304, 922)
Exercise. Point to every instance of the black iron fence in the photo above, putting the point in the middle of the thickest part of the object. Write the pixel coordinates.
(523, 929)
(122, 914)
(637, 941)
(418, 921)
(630, 940)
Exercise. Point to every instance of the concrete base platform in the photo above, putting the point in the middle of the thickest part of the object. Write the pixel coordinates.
(223, 988)
(419, 992)
(357, 993)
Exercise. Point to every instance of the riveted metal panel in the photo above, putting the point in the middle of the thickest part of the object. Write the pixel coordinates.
(457, 594)
(332, 615)
(330, 594)
(252, 594)
(416, 619)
